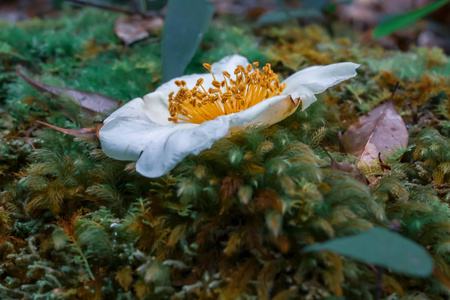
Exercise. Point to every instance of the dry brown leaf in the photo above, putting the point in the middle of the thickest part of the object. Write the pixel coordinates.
(353, 170)
(349, 168)
(380, 131)
(131, 29)
(91, 102)
(89, 132)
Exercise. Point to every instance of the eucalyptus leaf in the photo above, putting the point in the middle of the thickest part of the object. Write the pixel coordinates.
(381, 247)
(402, 20)
(185, 24)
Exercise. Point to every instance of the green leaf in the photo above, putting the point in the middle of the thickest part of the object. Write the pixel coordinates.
(185, 24)
(402, 20)
(281, 16)
(156, 4)
(381, 247)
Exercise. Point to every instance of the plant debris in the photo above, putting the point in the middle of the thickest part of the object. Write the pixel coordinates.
(131, 29)
(92, 102)
(232, 221)
(380, 131)
(89, 132)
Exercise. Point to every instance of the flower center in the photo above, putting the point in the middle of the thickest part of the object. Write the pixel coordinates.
(249, 87)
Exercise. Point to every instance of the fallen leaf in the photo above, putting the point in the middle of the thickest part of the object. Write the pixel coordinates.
(88, 132)
(349, 168)
(353, 170)
(382, 248)
(380, 131)
(131, 29)
(91, 102)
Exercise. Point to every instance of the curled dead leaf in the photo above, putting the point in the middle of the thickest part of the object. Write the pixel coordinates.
(353, 170)
(131, 29)
(380, 131)
(91, 102)
(349, 168)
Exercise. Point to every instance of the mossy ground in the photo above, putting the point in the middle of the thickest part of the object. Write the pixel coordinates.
(230, 222)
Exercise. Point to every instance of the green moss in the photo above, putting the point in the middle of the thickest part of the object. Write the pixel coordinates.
(230, 222)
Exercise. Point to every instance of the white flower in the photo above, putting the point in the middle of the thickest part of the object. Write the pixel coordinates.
(141, 130)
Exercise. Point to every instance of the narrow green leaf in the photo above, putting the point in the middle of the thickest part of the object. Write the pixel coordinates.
(156, 4)
(381, 247)
(184, 26)
(402, 20)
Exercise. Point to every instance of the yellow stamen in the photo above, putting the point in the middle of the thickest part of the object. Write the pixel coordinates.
(250, 86)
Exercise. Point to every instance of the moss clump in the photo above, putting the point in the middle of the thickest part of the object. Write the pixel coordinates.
(230, 222)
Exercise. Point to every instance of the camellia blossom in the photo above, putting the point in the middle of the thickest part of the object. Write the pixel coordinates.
(187, 114)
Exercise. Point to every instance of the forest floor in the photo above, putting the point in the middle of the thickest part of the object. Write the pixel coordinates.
(231, 222)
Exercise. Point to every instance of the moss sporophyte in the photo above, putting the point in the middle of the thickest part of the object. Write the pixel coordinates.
(187, 114)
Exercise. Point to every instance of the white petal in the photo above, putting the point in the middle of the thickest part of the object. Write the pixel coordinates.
(128, 131)
(229, 64)
(132, 108)
(306, 100)
(267, 112)
(314, 80)
(169, 148)
(156, 107)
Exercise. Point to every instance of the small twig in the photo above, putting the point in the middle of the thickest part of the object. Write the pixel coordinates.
(341, 143)
(394, 90)
(383, 166)
(323, 148)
